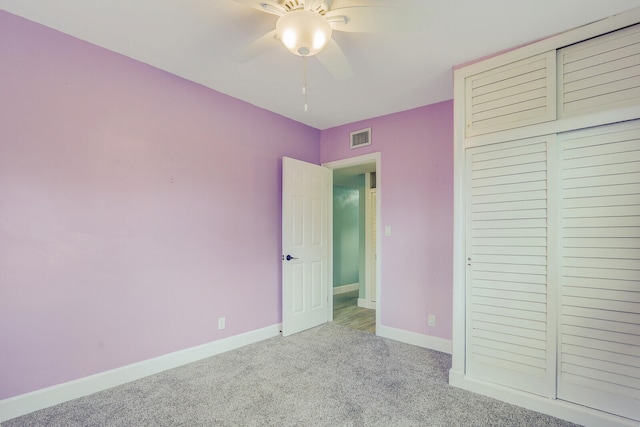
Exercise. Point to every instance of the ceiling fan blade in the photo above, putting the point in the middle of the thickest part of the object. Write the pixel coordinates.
(268, 6)
(257, 47)
(374, 19)
(334, 60)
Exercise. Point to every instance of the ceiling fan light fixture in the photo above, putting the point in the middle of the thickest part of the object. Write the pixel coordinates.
(319, 40)
(289, 38)
(303, 32)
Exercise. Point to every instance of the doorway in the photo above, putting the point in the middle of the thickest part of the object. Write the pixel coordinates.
(355, 286)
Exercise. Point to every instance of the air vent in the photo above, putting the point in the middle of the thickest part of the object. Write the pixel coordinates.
(360, 138)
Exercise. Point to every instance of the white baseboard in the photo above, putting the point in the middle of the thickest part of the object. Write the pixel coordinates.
(366, 304)
(414, 338)
(20, 405)
(556, 408)
(346, 288)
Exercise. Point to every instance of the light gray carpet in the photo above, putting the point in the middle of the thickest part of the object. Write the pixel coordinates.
(327, 376)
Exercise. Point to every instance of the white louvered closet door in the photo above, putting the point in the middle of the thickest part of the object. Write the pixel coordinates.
(599, 335)
(600, 74)
(513, 95)
(508, 337)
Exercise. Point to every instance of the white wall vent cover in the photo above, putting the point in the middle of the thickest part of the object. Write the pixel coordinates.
(360, 138)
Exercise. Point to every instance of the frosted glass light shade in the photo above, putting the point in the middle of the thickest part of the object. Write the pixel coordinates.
(303, 32)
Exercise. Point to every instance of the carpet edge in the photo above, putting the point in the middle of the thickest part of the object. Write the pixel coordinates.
(29, 402)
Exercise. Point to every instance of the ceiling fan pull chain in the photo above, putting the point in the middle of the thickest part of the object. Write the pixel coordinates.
(304, 82)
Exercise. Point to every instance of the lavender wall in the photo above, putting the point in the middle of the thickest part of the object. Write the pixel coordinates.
(135, 209)
(417, 202)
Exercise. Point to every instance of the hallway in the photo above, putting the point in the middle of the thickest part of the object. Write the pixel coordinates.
(347, 313)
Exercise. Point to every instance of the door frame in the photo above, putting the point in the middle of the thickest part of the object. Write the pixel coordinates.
(346, 163)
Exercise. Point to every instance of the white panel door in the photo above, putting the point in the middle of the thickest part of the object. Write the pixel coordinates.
(599, 353)
(508, 332)
(306, 193)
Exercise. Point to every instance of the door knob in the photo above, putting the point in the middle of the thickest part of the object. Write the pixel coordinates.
(288, 257)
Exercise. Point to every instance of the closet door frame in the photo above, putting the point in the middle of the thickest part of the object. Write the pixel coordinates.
(458, 374)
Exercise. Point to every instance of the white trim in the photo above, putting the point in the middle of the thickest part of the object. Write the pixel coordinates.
(619, 114)
(23, 404)
(459, 231)
(364, 303)
(578, 414)
(355, 161)
(414, 338)
(343, 289)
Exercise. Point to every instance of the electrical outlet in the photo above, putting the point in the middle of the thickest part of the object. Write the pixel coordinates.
(221, 323)
(432, 320)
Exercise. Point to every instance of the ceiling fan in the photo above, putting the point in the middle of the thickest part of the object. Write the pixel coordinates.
(305, 27)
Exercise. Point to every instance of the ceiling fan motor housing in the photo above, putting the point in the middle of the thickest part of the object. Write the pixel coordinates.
(320, 7)
(303, 32)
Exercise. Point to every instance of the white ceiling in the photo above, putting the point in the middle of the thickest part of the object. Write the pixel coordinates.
(195, 39)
